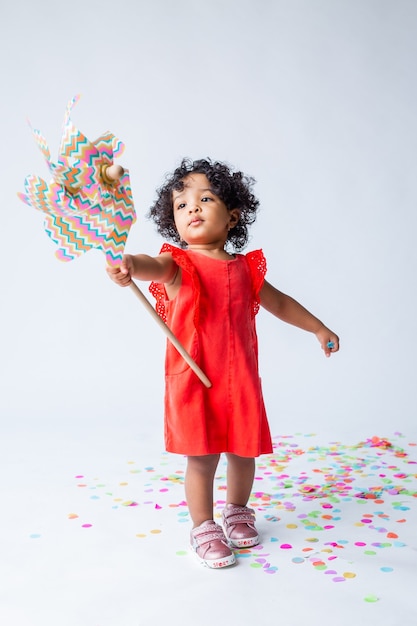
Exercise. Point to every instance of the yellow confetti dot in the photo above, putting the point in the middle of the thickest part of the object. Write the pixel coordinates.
(156, 531)
(141, 535)
(292, 526)
(72, 516)
(349, 575)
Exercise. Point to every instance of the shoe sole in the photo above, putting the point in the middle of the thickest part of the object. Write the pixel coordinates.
(243, 543)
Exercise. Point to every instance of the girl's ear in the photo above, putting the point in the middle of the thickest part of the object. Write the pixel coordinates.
(234, 217)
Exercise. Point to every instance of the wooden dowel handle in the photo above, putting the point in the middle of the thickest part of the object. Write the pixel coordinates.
(196, 369)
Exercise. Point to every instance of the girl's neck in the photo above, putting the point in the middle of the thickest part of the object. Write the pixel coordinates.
(215, 252)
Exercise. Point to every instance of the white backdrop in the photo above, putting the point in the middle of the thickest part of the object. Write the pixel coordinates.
(317, 100)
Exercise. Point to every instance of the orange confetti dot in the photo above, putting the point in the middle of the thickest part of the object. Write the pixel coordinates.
(392, 535)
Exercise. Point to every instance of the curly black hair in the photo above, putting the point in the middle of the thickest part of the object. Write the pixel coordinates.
(233, 188)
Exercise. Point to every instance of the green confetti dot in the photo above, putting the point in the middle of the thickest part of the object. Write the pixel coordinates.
(371, 598)
(181, 553)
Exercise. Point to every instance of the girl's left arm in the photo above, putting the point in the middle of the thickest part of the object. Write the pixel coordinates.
(289, 310)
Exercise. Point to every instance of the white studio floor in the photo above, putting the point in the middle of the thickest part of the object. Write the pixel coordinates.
(95, 533)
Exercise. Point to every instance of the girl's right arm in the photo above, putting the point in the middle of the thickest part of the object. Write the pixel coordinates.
(161, 269)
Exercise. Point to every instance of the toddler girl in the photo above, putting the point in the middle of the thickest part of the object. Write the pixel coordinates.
(209, 295)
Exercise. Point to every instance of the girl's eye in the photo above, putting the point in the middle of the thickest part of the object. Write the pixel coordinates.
(205, 199)
(181, 205)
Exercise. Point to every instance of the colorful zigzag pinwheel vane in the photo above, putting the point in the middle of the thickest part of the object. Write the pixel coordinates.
(88, 203)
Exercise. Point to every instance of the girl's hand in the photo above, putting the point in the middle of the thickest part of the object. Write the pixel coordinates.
(122, 275)
(328, 340)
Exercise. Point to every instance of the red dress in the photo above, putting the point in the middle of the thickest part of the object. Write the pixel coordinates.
(213, 316)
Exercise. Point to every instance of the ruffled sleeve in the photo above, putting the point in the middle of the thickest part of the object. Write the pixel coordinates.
(158, 289)
(257, 266)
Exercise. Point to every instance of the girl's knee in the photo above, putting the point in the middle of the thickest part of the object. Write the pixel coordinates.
(203, 463)
(240, 460)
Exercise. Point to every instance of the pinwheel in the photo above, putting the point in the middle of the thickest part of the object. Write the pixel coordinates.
(88, 204)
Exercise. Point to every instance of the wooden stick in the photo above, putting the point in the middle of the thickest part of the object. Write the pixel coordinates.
(170, 335)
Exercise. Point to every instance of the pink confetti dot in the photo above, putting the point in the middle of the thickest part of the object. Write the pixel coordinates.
(286, 546)
(86, 526)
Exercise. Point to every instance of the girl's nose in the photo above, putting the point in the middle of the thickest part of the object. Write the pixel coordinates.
(194, 207)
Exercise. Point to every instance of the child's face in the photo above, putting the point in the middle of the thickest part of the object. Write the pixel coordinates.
(200, 216)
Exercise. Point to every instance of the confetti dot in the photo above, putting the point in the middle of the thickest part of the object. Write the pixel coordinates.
(35, 536)
(371, 598)
(86, 526)
(349, 575)
(181, 553)
(286, 546)
(298, 560)
(387, 569)
(156, 531)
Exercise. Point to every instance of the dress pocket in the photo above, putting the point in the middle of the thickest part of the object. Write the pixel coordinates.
(174, 363)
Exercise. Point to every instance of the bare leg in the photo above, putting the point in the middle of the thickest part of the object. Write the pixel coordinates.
(240, 476)
(199, 479)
